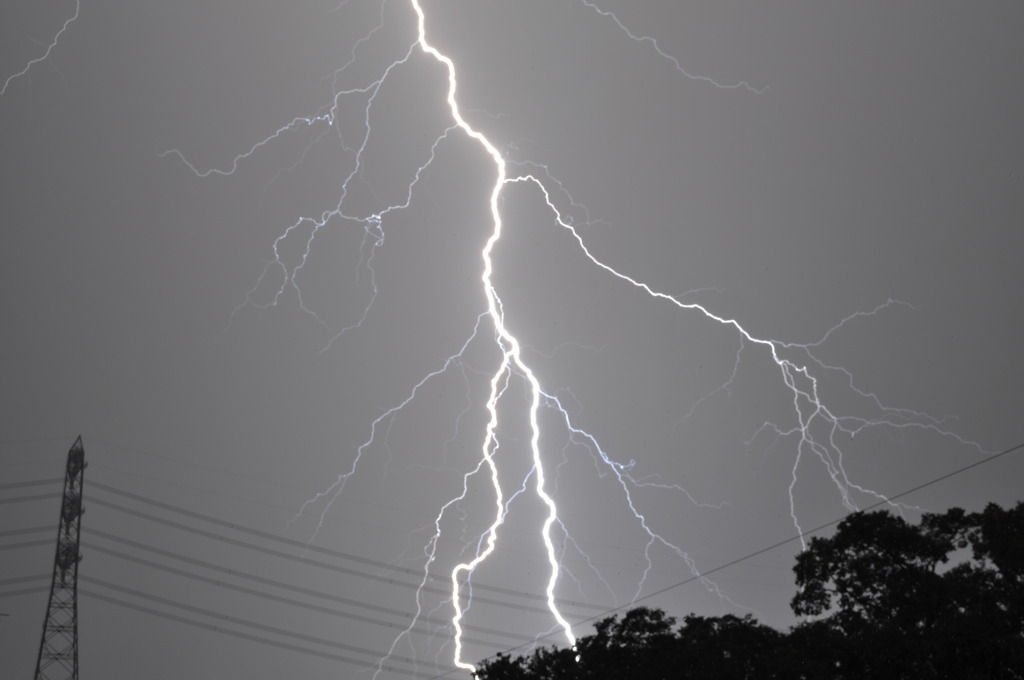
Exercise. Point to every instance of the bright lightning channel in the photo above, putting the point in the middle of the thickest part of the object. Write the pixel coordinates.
(512, 354)
(801, 377)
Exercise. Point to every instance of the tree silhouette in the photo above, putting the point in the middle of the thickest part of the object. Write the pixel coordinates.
(940, 599)
(882, 598)
(646, 644)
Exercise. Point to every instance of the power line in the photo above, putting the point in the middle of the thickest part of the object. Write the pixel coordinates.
(23, 579)
(305, 547)
(26, 544)
(25, 591)
(319, 595)
(885, 501)
(342, 555)
(261, 503)
(238, 634)
(307, 561)
(22, 532)
(25, 499)
(247, 530)
(244, 623)
(233, 572)
(34, 482)
(285, 586)
(773, 546)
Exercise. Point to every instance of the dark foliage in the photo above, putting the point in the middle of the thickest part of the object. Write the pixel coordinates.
(884, 599)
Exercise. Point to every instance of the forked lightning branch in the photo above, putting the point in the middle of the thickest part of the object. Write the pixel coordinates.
(813, 428)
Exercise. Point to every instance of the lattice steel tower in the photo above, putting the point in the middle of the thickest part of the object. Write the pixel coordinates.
(58, 651)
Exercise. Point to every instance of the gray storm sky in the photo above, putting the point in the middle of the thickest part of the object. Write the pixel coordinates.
(882, 160)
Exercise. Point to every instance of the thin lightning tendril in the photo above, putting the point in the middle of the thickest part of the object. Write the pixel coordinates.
(664, 55)
(49, 48)
(815, 427)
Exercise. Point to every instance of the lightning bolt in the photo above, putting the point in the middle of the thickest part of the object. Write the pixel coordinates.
(815, 424)
(668, 57)
(45, 55)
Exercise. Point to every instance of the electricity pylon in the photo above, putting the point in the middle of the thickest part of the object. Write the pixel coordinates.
(58, 650)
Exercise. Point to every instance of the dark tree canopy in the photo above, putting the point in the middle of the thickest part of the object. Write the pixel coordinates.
(646, 643)
(936, 600)
(883, 599)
